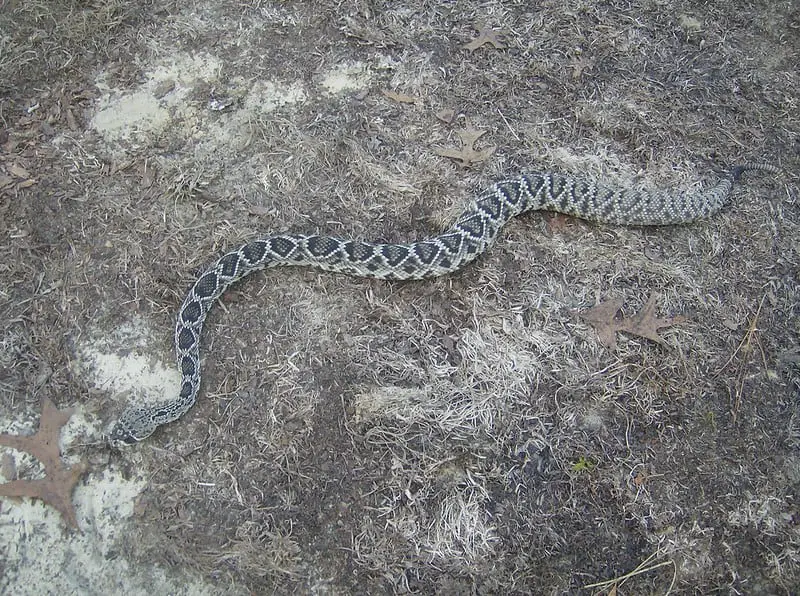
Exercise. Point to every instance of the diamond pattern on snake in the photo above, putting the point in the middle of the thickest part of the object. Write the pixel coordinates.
(467, 238)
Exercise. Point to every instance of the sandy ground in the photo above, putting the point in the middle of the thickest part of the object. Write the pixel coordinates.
(469, 434)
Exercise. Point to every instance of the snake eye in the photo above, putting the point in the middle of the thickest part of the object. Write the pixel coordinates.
(129, 439)
(121, 437)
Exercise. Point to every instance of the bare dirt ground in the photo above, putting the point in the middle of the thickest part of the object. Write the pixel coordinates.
(466, 435)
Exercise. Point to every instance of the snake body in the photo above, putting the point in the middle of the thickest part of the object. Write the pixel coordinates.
(467, 238)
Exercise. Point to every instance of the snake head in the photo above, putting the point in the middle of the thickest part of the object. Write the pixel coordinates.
(134, 425)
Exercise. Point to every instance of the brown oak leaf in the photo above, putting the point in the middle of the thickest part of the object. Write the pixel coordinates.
(447, 115)
(467, 155)
(603, 317)
(56, 487)
(486, 35)
(400, 97)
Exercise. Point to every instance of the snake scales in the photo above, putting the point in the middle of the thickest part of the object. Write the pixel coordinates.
(471, 234)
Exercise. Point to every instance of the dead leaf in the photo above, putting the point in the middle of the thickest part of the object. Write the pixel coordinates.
(163, 88)
(467, 155)
(399, 97)
(18, 171)
(603, 317)
(470, 135)
(56, 487)
(447, 115)
(486, 35)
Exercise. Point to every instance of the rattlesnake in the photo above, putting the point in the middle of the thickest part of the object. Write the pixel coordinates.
(471, 234)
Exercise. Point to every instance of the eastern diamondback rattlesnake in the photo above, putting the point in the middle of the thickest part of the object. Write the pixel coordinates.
(471, 234)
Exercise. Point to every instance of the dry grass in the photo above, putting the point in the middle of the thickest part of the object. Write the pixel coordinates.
(467, 434)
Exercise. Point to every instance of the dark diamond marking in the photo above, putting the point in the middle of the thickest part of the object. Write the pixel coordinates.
(509, 192)
(605, 203)
(445, 264)
(206, 285)
(282, 245)
(472, 225)
(255, 251)
(426, 252)
(394, 254)
(558, 185)
(186, 389)
(321, 246)
(229, 264)
(187, 366)
(191, 312)
(451, 242)
(186, 339)
(359, 251)
(536, 184)
(491, 205)
(564, 202)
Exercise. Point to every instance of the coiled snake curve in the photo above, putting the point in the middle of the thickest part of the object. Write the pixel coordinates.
(470, 236)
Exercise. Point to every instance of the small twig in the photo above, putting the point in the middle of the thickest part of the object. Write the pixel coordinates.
(508, 125)
(640, 569)
(745, 339)
(744, 346)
